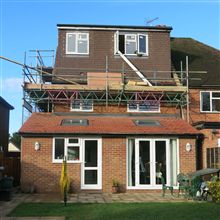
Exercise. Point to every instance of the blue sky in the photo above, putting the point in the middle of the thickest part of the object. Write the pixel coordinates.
(26, 25)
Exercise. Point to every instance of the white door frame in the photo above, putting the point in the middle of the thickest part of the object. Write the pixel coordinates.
(98, 168)
(152, 184)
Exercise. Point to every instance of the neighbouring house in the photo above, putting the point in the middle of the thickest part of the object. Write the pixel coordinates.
(204, 94)
(5, 108)
(113, 107)
(12, 147)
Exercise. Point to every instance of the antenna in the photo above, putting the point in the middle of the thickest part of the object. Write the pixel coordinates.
(152, 20)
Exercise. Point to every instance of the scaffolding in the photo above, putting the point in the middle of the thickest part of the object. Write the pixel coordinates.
(41, 92)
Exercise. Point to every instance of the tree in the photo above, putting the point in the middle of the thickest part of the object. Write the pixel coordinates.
(15, 138)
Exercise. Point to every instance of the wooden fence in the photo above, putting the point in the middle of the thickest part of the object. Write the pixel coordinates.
(12, 167)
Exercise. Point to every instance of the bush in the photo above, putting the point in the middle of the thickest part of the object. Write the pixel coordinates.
(214, 188)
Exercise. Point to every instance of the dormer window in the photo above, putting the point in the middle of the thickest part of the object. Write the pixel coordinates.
(77, 43)
(131, 44)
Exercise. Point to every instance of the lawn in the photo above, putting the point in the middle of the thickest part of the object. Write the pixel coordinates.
(119, 211)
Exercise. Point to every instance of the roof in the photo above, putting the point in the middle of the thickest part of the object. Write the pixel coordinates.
(50, 123)
(201, 58)
(95, 26)
(6, 104)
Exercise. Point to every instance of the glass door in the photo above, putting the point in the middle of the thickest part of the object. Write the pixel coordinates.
(91, 166)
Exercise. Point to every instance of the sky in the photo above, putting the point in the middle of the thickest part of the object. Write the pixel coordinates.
(27, 25)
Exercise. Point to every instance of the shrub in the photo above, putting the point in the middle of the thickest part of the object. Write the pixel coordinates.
(214, 188)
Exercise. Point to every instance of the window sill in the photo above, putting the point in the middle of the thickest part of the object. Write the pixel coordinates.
(209, 112)
(60, 162)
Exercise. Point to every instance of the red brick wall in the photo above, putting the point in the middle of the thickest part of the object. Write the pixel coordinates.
(111, 109)
(37, 168)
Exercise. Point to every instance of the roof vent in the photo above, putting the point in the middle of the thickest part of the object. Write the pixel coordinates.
(75, 122)
(146, 122)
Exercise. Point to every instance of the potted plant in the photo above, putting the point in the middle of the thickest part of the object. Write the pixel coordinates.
(115, 186)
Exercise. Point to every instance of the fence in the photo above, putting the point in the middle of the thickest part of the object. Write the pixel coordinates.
(12, 167)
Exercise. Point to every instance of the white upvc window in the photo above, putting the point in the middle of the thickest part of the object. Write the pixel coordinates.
(67, 147)
(210, 101)
(146, 106)
(131, 44)
(77, 43)
(82, 105)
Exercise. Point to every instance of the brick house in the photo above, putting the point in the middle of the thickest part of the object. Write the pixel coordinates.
(113, 107)
(204, 93)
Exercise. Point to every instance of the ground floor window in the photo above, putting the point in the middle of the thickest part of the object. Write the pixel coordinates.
(150, 160)
(66, 147)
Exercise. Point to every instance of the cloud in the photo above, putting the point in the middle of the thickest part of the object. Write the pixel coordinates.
(11, 85)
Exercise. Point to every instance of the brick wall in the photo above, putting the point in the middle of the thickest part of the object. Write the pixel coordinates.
(37, 168)
(101, 44)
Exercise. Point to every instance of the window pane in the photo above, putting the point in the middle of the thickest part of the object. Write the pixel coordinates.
(87, 105)
(59, 149)
(144, 107)
(216, 94)
(142, 44)
(91, 177)
(82, 46)
(205, 96)
(173, 162)
(161, 169)
(91, 153)
(72, 153)
(71, 43)
(216, 105)
(76, 104)
(83, 36)
(122, 43)
(131, 44)
(73, 141)
(144, 162)
(131, 162)
(132, 106)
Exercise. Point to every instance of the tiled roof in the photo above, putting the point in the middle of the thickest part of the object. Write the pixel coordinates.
(49, 123)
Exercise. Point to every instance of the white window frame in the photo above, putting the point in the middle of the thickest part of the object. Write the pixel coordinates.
(76, 44)
(116, 43)
(210, 103)
(66, 145)
(152, 140)
(128, 41)
(81, 109)
(138, 109)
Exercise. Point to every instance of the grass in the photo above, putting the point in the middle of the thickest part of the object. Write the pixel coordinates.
(119, 211)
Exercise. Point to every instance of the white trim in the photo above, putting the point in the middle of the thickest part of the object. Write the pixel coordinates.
(76, 43)
(152, 184)
(210, 103)
(98, 168)
(66, 145)
(138, 109)
(128, 41)
(146, 43)
(80, 107)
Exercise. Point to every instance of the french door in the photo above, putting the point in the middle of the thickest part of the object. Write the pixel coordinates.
(148, 161)
(91, 169)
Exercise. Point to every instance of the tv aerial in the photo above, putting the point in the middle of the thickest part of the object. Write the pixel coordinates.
(151, 20)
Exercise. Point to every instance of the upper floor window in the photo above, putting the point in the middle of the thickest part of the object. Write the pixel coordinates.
(132, 44)
(77, 43)
(210, 101)
(82, 105)
(146, 106)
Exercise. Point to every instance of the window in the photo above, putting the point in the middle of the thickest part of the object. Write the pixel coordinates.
(131, 44)
(147, 106)
(68, 147)
(210, 101)
(74, 122)
(142, 122)
(82, 105)
(77, 43)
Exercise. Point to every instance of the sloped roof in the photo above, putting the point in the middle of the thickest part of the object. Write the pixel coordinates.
(201, 58)
(50, 123)
(6, 104)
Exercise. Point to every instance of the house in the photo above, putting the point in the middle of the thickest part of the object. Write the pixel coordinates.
(204, 93)
(5, 108)
(112, 107)
(12, 147)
